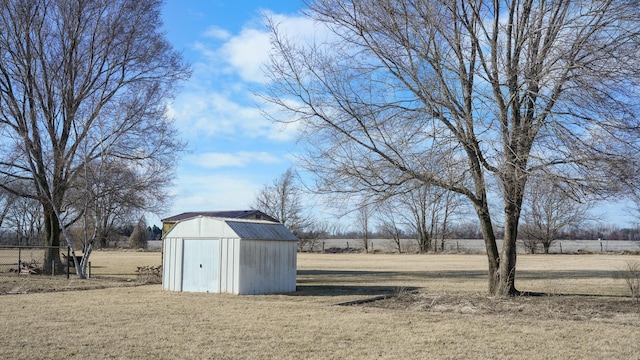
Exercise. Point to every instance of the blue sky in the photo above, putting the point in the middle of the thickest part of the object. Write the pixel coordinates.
(234, 150)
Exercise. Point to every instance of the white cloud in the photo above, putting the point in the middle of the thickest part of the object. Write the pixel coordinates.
(217, 33)
(218, 100)
(205, 50)
(298, 27)
(220, 116)
(236, 149)
(215, 113)
(212, 160)
(247, 52)
(214, 192)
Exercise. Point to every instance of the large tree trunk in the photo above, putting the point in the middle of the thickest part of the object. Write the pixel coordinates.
(52, 262)
(507, 273)
(424, 241)
(82, 273)
(502, 266)
(546, 245)
(513, 196)
(488, 235)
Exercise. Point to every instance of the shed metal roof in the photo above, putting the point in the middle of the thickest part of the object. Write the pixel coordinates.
(261, 230)
(230, 214)
(214, 227)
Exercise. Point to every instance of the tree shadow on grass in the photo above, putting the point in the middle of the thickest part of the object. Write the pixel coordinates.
(555, 294)
(568, 274)
(373, 283)
(341, 290)
(356, 276)
(360, 283)
(359, 276)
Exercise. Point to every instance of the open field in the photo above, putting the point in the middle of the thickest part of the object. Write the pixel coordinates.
(477, 245)
(587, 315)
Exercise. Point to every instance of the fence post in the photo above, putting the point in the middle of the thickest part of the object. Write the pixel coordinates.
(68, 254)
(19, 258)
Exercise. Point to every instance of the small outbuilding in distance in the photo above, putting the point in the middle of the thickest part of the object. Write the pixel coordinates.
(221, 255)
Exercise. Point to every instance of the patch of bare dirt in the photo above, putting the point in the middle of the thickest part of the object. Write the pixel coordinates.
(29, 284)
(606, 309)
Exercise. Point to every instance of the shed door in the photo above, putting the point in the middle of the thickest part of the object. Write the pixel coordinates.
(201, 266)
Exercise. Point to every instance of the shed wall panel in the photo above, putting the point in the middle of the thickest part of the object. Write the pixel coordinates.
(166, 272)
(267, 267)
(224, 265)
(207, 228)
(201, 228)
(236, 266)
(172, 264)
(229, 266)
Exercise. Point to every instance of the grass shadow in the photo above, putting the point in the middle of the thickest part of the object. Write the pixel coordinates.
(342, 290)
(373, 283)
(311, 276)
(567, 274)
(555, 294)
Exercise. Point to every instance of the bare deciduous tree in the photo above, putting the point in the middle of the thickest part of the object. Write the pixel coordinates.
(138, 238)
(82, 81)
(425, 211)
(282, 200)
(109, 193)
(363, 215)
(462, 95)
(312, 236)
(430, 209)
(24, 219)
(391, 224)
(7, 200)
(631, 275)
(549, 211)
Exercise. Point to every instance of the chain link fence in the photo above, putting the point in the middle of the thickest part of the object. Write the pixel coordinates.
(25, 259)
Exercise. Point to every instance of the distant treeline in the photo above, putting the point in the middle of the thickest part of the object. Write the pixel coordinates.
(117, 237)
(469, 231)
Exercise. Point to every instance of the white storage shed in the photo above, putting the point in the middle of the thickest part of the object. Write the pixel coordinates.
(208, 254)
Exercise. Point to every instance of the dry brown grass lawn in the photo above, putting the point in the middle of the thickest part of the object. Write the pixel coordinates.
(108, 269)
(449, 317)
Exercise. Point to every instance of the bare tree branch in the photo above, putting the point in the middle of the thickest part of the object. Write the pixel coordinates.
(463, 95)
(81, 81)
